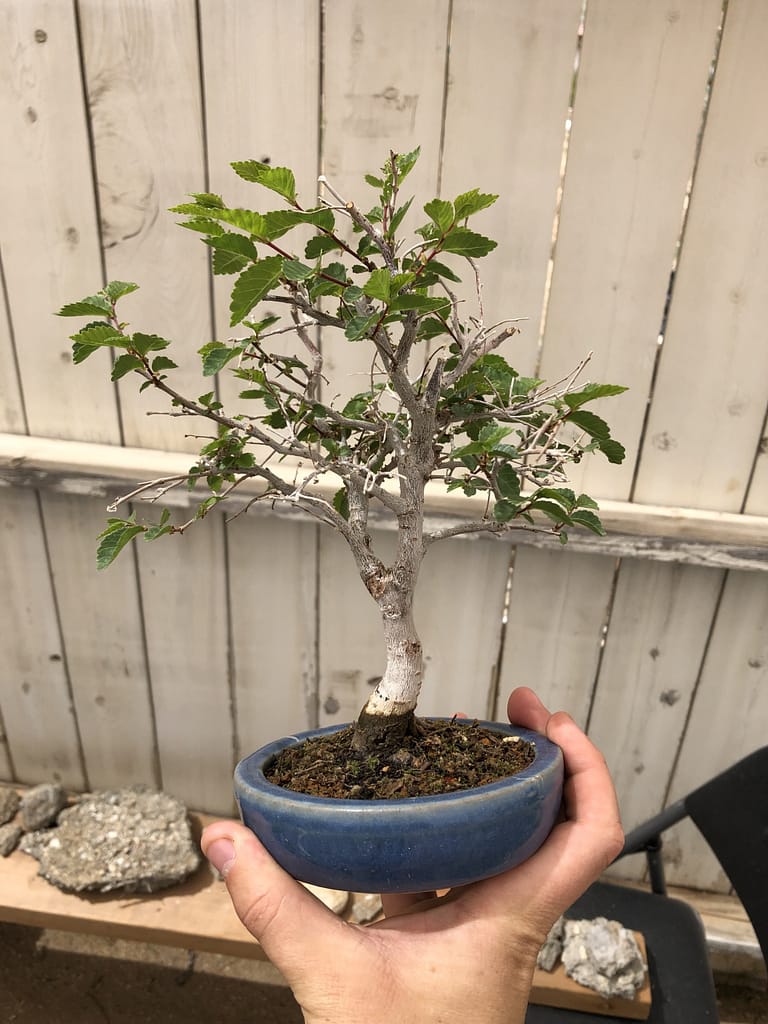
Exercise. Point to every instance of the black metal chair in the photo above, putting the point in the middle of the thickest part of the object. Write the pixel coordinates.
(731, 812)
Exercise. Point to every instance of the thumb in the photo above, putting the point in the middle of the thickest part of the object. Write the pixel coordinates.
(291, 924)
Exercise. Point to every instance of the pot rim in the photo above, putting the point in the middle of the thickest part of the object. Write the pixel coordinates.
(547, 757)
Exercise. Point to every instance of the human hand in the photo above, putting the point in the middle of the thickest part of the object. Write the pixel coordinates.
(467, 956)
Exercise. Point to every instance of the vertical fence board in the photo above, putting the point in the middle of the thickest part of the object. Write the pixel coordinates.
(554, 628)
(650, 666)
(728, 717)
(261, 75)
(699, 451)
(105, 654)
(142, 72)
(185, 619)
(35, 701)
(630, 156)
(273, 608)
(50, 244)
(12, 419)
(511, 66)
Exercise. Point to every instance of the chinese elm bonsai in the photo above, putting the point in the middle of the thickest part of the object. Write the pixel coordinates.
(440, 403)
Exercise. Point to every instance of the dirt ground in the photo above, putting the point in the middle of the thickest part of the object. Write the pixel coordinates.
(49, 977)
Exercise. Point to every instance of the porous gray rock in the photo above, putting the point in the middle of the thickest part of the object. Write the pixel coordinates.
(41, 805)
(9, 804)
(10, 834)
(604, 956)
(131, 840)
(549, 954)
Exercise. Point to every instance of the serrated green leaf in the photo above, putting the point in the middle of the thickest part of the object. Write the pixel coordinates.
(144, 343)
(80, 352)
(278, 179)
(584, 501)
(209, 199)
(421, 303)
(293, 270)
(159, 529)
(612, 450)
(590, 392)
(252, 285)
(93, 305)
(405, 163)
(583, 517)
(99, 334)
(163, 363)
(358, 325)
(562, 495)
(203, 225)
(464, 242)
(124, 364)
(225, 262)
(441, 212)
(375, 182)
(442, 271)
(551, 509)
(216, 355)
(472, 202)
(230, 241)
(379, 285)
(116, 289)
(397, 217)
(248, 220)
(113, 539)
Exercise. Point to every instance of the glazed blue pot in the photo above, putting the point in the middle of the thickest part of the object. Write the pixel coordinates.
(409, 845)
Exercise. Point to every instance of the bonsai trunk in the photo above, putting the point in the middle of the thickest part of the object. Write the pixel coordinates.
(388, 713)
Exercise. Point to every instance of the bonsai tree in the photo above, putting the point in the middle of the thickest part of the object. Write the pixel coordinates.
(440, 402)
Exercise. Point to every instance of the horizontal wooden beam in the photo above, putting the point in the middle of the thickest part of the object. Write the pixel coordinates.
(692, 536)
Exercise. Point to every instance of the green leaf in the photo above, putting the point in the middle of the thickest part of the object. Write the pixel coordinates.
(397, 217)
(591, 392)
(99, 333)
(379, 285)
(277, 222)
(464, 242)
(583, 517)
(124, 364)
(278, 179)
(504, 510)
(584, 501)
(116, 289)
(203, 225)
(248, 220)
(230, 241)
(144, 343)
(508, 481)
(341, 502)
(404, 163)
(252, 285)
(163, 363)
(421, 303)
(228, 262)
(293, 270)
(442, 271)
(441, 212)
(163, 527)
(612, 450)
(113, 539)
(216, 355)
(551, 509)
(93, 305)
(471, 202)
(593, 425)
(375, 182)
(209, 199)
(316, 247)
(359, 325)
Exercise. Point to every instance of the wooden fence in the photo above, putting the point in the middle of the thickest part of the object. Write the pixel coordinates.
(629, 143)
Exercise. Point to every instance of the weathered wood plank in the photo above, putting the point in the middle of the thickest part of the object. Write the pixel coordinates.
(35, 702)
(12, 416)
(143, 82)
(554, 628)
(692, 536)
(50, 237)
(653, 650)
(246, 49)
(511, 65)
(727, 719)
(630, 157)
(273, 595)
(700, 451)
(101, 625)
(184, 604)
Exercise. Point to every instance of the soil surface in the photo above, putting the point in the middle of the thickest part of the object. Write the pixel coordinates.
(439, 756)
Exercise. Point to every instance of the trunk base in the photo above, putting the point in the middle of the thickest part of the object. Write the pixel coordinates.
(382, 735)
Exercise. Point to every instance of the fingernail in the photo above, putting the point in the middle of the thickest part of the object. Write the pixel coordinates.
(221, 853)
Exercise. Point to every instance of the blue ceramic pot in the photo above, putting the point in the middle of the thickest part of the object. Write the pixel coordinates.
(409, 845)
